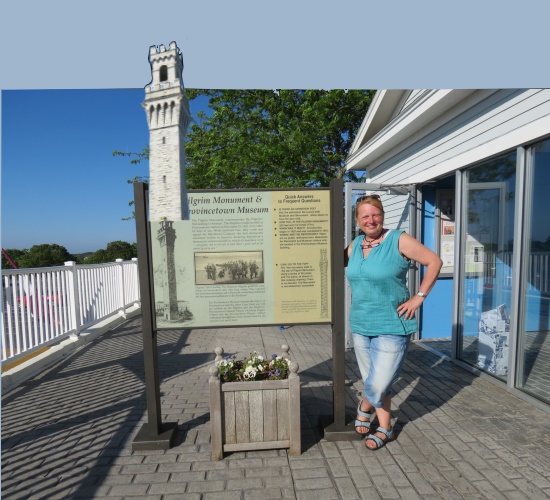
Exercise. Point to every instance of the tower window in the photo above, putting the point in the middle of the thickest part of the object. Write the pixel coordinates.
(164, 178)
(164, 73)
(164, 140)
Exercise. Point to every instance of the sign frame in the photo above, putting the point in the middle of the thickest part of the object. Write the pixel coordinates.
(157, 435)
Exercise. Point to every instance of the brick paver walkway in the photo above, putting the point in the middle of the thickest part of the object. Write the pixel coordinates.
(68, 433)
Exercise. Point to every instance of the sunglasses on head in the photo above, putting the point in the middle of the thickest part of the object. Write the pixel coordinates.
(368, 197)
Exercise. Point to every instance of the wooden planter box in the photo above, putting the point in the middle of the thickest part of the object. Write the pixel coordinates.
(258, 415)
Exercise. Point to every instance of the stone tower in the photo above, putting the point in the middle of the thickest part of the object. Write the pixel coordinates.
(168, 116)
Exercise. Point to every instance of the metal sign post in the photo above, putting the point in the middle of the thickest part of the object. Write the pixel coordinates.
(153, 435)
(336, 428)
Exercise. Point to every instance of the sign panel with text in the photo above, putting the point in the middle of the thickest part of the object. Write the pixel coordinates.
(244, 258)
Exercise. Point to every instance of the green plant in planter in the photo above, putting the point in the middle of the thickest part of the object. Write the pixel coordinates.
(254, 403)
(254, 367)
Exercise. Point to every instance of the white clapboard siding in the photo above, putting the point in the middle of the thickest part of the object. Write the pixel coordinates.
(499, 114)
(396, 212)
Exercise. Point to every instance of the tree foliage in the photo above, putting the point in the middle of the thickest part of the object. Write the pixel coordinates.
(136, 159)
(43, 255)
(46, 255)
(267, 139)
(114, 250)
(15, 255)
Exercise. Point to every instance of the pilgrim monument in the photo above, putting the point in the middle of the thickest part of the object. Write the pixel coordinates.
(168, 116)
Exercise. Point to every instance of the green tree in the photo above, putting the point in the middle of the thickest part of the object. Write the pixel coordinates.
(121, 250)
(45, 255)
(15, 255)
(98, 257)
(262, 138)
(114, 250)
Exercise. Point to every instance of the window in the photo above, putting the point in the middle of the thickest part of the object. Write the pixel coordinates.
(487, 246)
(534, 334)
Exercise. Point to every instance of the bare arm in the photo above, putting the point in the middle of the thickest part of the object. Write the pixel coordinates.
(347, 254)
(414, 250)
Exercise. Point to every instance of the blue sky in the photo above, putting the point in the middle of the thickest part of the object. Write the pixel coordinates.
(60, 182)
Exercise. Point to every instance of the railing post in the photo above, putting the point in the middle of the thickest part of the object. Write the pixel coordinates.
(7, 329)
(120, 273)
(73, 301)
(137, 302)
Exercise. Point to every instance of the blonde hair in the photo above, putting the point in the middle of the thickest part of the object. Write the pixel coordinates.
(371, 199)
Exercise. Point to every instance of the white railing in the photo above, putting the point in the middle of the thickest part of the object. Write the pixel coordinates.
(43, 306)
(538, 273)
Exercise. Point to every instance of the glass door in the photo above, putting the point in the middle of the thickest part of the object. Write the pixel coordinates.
(534, 336)
(487, 245)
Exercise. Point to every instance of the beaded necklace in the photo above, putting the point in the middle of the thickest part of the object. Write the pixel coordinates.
(371, 243)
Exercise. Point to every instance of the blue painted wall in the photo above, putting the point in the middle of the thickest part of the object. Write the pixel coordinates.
(437, 311)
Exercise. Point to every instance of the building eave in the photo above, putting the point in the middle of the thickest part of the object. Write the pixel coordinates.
(384, 129)
(378, 115)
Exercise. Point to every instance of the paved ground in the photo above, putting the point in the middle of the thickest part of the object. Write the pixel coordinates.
(68, 433)
(536, 359)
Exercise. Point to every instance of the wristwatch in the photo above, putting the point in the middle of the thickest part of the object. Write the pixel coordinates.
(421, 294)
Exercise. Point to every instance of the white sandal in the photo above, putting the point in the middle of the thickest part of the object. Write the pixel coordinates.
(378, 441)
(364, 423)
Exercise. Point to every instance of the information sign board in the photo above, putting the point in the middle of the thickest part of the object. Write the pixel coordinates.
(244, 258)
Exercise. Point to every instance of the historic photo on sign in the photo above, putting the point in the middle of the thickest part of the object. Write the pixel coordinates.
(228, 268)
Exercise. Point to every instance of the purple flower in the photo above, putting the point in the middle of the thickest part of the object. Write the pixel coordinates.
(273, 356)
(277, 372)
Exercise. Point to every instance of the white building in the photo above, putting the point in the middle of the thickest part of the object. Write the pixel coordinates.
(477, 165)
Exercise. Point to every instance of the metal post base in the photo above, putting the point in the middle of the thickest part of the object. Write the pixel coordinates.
(338, 432)
(149, 439)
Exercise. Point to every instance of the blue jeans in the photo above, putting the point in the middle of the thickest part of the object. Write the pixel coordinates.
(380, 359)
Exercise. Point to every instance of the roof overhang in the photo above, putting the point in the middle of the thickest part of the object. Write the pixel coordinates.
(386, 129)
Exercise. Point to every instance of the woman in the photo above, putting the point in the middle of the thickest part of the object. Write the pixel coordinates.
(382, 316)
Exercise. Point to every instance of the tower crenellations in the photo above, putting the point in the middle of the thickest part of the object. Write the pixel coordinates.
(166, 67)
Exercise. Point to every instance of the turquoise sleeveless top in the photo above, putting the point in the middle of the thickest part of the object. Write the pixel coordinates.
(378, 286)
